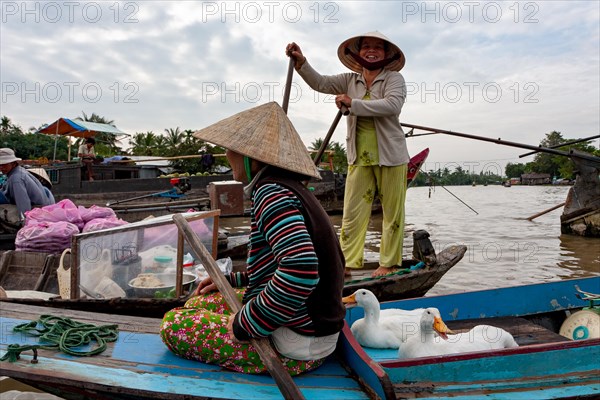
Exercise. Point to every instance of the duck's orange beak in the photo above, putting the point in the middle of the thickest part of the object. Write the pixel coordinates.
(440, 327)
(349, 299)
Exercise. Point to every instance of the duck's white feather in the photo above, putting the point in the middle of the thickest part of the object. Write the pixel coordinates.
(383, 329)
(428, 343)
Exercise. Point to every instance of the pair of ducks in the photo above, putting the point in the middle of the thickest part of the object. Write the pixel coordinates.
(420, 332)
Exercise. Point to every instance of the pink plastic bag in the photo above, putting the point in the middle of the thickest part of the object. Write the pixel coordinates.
(94, 212)
(45, 236)
(65, 211)
(103, 223)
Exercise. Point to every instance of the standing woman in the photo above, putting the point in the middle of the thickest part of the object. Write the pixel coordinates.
(377, 154)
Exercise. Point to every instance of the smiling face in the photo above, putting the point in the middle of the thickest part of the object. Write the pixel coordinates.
(372, 49)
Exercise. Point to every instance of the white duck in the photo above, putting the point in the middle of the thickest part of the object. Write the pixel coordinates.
(428, 343)
(381, 329)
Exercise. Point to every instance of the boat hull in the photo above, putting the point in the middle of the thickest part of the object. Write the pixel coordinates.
(546, 365)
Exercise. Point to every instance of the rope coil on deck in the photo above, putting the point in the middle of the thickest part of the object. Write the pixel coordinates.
(62, 334)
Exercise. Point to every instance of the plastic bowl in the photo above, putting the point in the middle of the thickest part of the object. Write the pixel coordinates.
(168, 280)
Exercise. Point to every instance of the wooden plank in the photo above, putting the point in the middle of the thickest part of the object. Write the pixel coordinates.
(139, 365)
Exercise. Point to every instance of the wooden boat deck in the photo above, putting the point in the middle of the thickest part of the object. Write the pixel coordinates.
(139, 365)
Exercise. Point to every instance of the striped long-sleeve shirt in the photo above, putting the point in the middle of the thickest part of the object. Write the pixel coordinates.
(282, 266)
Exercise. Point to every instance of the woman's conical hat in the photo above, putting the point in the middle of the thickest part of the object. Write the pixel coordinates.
(263, 133)
(352, 44)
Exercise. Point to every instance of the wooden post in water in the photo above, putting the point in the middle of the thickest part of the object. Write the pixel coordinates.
(267, 354)
(545, 211)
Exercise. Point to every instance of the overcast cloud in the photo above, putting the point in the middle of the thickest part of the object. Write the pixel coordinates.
(510, 70)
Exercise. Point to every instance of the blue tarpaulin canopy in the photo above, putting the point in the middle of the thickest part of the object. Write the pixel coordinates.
(78, 128)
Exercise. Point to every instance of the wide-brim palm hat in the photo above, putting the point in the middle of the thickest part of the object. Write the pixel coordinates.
(42, 175)
(353, 44)
(263, 133)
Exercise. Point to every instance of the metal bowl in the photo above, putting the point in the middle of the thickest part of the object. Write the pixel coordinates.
(166, 290)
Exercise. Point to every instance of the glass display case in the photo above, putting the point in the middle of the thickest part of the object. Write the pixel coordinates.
(141, 259)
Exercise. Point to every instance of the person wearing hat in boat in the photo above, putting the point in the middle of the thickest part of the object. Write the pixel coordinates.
(374, 93)
(42, 176)
(295, 268)
(21, 188)
(87, 155)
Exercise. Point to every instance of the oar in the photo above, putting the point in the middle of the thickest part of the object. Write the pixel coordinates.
(284, 381)
(545, 211)
(288, 85)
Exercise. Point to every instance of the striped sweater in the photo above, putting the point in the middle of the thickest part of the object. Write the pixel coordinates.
(282, 266)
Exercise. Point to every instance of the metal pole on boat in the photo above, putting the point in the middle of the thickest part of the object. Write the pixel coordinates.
(267, 354)
(562, 145)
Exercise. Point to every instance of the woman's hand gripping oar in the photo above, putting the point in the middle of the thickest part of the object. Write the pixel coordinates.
(267, 354)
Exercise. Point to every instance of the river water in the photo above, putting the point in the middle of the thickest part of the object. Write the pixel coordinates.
(503, 248)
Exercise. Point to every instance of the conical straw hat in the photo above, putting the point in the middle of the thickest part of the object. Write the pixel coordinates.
(41, 174)
(352, 45)
(263, 133)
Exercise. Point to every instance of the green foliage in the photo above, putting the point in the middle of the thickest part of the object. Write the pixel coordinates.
(339, 156)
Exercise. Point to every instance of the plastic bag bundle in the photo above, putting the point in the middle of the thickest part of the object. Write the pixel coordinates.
(51, 237)
(95, 212)
(97, 224)
(63, 211)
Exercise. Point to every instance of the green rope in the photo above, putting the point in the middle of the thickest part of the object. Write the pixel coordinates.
(62, 334)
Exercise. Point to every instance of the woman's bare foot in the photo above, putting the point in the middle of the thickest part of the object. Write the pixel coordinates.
(381, 271)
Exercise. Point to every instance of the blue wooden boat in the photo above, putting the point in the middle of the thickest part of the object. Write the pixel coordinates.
(139, 366)
(545, 365)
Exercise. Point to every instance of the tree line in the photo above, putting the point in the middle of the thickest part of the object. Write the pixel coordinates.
(176, 142)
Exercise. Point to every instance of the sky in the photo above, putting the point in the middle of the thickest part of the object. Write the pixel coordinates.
(514, 70)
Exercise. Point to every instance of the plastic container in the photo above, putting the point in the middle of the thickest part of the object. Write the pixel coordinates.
(160, 264)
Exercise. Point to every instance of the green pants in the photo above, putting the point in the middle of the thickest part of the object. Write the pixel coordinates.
(362, 184)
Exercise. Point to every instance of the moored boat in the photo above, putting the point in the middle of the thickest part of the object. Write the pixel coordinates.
(545, 365)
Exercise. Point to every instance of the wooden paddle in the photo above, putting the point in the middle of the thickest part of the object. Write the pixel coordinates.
(267, 354)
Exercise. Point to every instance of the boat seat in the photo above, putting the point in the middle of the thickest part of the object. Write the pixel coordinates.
(524, 331)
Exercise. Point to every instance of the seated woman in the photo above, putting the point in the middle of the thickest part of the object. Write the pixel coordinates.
(295, 272)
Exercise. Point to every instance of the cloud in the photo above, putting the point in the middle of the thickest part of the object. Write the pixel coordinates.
(515, 70)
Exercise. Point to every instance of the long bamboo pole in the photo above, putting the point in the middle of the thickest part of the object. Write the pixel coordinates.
(267, 354)
(545, 211)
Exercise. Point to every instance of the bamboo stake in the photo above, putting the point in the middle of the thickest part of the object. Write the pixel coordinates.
(167, 158)
(545, 211)
(267, 354)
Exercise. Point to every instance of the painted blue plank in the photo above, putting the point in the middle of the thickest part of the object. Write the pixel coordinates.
(511, 301)
(142, 362)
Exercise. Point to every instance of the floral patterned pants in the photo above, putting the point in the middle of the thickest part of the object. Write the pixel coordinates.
(198, 331)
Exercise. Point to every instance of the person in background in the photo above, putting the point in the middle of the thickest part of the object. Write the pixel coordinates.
(295, 273)
(42, 176)
(374, 93)
(87, 155)
(21, 188)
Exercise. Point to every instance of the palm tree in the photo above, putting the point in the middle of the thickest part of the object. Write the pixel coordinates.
(5, 124)
(174, 137)
(144, 144)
